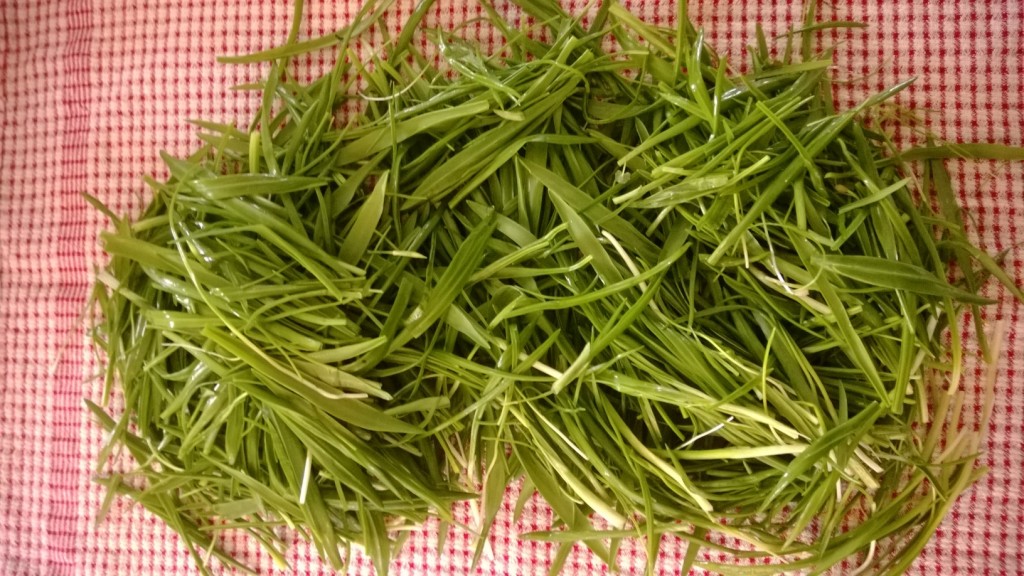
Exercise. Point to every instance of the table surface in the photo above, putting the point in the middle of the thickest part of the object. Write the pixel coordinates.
(93, 89)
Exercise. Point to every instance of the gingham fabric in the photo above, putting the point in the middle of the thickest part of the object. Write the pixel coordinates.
(93, 89)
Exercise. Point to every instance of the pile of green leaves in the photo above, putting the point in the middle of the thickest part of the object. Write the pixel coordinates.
(667, 295)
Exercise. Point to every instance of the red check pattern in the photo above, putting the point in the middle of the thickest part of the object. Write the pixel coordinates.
(92, 89)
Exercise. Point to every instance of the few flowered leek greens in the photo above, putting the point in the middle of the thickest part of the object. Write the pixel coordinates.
(672, 298)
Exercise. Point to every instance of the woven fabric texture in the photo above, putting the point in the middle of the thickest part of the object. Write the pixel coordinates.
(93, 89)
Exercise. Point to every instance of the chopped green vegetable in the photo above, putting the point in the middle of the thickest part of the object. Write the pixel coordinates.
(688, 301)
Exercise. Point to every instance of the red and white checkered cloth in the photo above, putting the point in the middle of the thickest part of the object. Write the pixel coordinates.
(92, 89)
